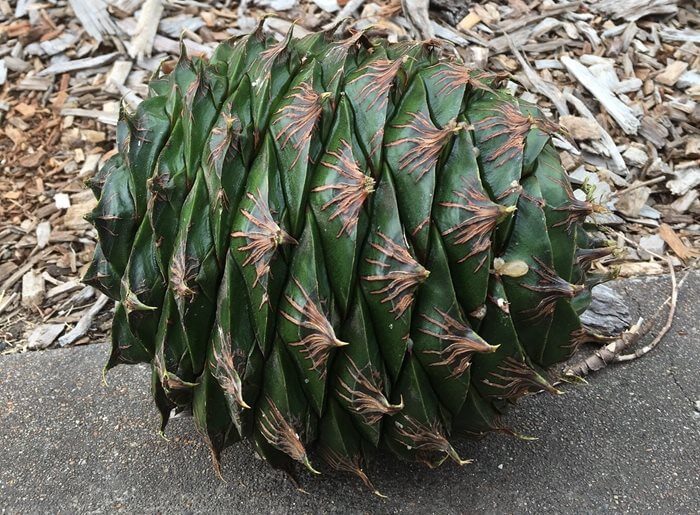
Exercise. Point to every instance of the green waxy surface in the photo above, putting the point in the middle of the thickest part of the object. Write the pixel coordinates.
(340, 244)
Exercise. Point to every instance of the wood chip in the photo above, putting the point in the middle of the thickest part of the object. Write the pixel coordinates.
(469, 21)
(677, 246)
(32, 288)
(117, 76)
(43, 233)
(634, 269)
(95, 17)
(672, 73)
(621, 113)
(43, 336)
(78, 64)
(631, 202)
(580, 128)
(142, 43)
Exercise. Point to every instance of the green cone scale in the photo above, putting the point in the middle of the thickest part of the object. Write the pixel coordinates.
(339, 245)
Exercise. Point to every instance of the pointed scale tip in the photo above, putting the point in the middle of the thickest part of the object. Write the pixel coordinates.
(397, 407)
(305, 461)
(570, 377)
(452, 453)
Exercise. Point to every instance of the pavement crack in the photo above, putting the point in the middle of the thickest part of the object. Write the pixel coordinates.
(672, 371)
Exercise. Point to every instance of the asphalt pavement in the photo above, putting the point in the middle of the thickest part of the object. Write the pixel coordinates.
(628, 441)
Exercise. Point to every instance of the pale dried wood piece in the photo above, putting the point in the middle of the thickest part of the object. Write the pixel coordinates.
(59, 44)
(619, 165)
(580, 128)
(543, 87)
(43, 336)
(117, 76)
(672, 73)
(345, 12)
(685, 181)
(470, 21)
(677, 246)
(79, 64)
(443, 32)
(631, 201)
(282, 26)
(653, 131)
(22, 8)
(107, 117)
(82, 203)
(170, 46)
(502, 43)
(63, 288)
(548, 64)
(90, 165)
(330, 6)
(94, 17)
(590, 33)
(689, 79)
(141, 44)
(636, 155)
(84, 323)
(550, 10)
(621, 113)
(33, 288)
(43, 233)
(173, 26)
(682, 204)
(15, 64)
(5, 302)
(628, 86)
(632, 10)
(3, 72)
(640, 268)
(34, 83)
(416, 12)
(17, 275)
(544, 27)
(686, 35)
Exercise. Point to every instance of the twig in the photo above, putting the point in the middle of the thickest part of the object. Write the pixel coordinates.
(84, 323)
(601, 358)
(611, 353)
(655, 180)
(669, 321)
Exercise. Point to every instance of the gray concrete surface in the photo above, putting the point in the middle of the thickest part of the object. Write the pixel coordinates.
(628, 441)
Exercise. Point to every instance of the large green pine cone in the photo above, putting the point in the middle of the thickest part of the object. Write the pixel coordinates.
(344, 243)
